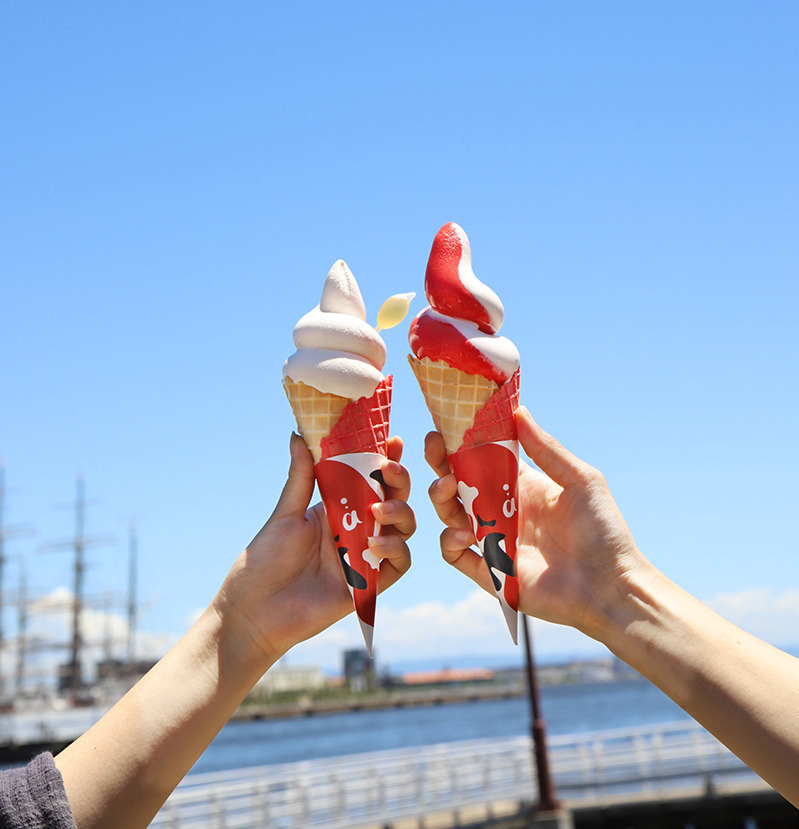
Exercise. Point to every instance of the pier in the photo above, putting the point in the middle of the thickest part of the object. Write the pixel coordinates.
(659, 776)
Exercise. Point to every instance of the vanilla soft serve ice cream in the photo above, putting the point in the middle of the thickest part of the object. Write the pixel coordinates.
(339, 358)
(338, 352)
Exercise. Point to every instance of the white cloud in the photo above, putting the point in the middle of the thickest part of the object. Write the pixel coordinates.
(474, 627)
(437, 632)
(49, 632)
(427, 632)
(326, 648)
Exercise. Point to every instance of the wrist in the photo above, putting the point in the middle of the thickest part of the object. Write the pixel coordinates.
(242, 652)
(648, 625)
(629, 601)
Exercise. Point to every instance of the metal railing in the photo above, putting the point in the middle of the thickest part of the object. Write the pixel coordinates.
(381, 787)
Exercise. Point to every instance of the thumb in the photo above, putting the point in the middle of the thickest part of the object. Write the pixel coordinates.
(547, 454)
(297, 492)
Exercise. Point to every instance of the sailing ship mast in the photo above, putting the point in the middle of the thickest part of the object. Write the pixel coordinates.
(72, 673)
(71, 677)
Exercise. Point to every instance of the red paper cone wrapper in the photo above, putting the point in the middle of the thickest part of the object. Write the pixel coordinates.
(488, 486)
(350, 484)
(363, 425)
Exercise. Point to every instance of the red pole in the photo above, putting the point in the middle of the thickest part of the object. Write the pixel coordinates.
(547, 800)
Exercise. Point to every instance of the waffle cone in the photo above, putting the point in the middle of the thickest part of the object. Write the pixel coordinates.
(453, 397)
(316, 412)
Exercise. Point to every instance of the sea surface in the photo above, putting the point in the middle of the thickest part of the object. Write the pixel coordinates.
(566, 709)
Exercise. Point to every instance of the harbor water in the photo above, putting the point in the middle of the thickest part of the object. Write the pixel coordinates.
(567, 709)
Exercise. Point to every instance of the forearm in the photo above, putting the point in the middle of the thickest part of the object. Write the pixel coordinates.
(120, 772)
(743, 690)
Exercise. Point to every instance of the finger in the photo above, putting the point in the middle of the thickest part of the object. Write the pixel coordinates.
(297, 492)
(396, 559)
(456, 551)
(396, 515)
(394, 447)
(436, 454)
(548, 455)
(443, 496)
(397, 480)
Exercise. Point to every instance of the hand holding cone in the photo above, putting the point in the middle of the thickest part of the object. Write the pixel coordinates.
(342, 404)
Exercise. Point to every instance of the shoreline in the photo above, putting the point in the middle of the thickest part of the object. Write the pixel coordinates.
(380, 700)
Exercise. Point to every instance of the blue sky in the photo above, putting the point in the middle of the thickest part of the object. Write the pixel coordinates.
(176, 180)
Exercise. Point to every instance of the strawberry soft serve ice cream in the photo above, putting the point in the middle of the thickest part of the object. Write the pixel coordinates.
(469, 375)
(461, 323)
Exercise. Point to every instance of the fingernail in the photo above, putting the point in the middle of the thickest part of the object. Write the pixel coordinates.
(378, 542)
(464, 537)
(383, 508)
(438, 482)
(393, 467)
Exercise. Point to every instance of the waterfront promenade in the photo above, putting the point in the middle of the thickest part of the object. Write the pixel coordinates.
(481, 783)
(396, 765)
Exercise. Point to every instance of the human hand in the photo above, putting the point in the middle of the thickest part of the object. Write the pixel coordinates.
(288, 585)
(575, 549)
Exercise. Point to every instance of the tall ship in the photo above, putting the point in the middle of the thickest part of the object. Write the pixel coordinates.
(56, 678)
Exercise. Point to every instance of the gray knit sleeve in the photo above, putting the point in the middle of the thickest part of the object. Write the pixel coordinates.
(33, 797)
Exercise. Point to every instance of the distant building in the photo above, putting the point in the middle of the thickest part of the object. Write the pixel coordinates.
(584, 671)
(117, 668)
(69, 677)
(359, 670)
(289, 678)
